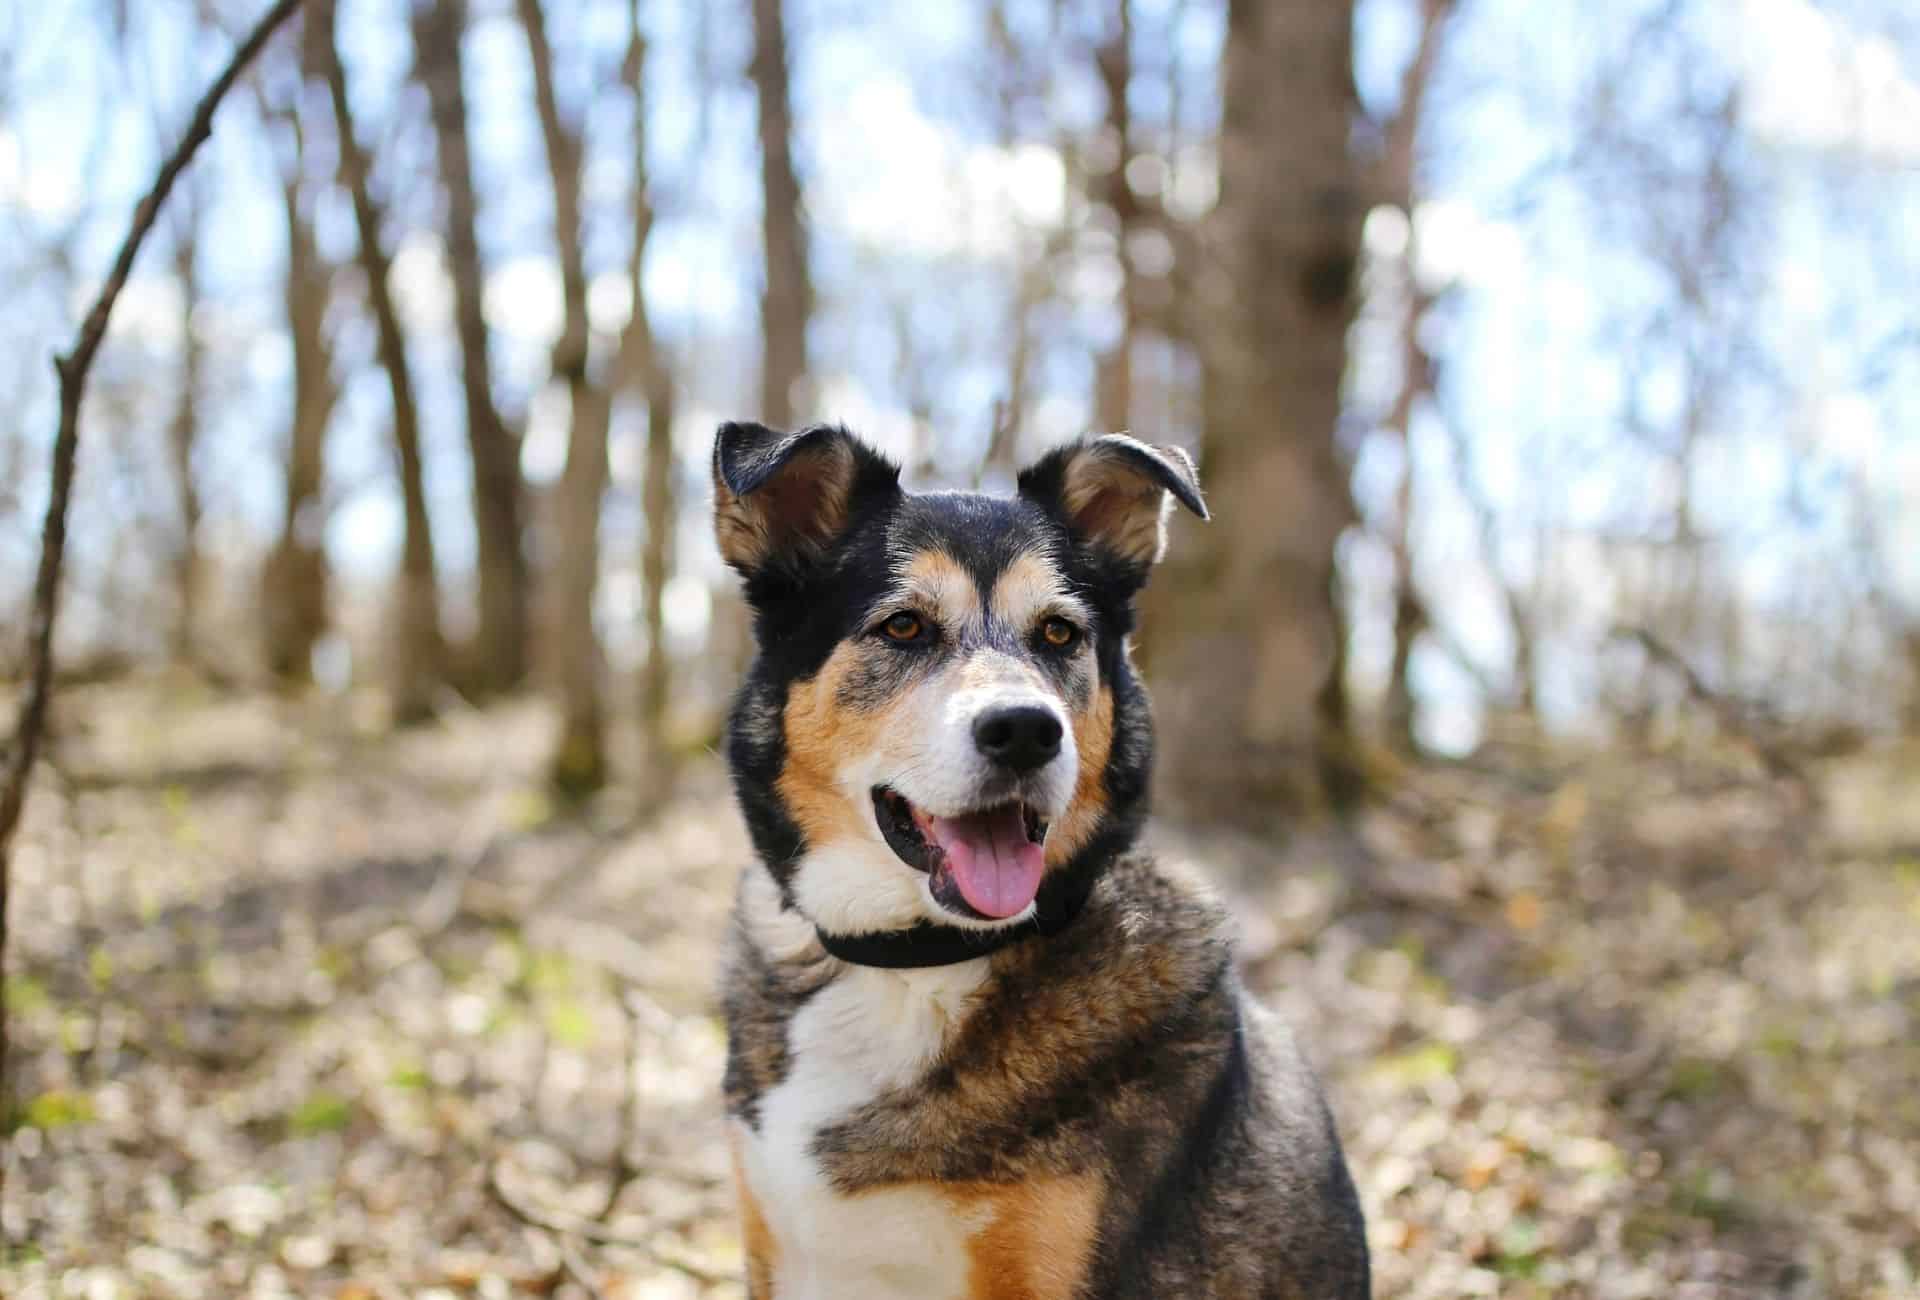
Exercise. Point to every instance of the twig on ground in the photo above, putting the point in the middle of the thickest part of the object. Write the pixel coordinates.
(72, 369)
(623, 1171)
(564, 1225)
(579, 1270)
(448, 896)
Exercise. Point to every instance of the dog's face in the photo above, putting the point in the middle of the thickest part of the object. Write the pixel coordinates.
(941, 720)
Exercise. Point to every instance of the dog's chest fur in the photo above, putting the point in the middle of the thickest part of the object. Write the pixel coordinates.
(864, 1033)
(1097, 1114)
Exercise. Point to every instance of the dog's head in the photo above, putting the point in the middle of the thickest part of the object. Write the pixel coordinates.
(941, 719)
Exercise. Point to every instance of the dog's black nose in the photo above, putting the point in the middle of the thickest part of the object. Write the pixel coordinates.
(1020, 738)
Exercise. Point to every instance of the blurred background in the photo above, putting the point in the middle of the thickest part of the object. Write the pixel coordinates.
(1546, 690)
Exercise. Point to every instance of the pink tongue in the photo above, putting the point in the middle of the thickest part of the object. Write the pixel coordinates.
(996, 866)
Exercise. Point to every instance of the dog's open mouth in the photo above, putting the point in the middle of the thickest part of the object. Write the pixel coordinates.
(984, 864)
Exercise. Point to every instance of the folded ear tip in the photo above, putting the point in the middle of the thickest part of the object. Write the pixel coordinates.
(1185, 481)
(747, 453)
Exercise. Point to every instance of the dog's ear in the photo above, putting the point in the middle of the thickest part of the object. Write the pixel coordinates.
(781, 499)
(1116, 492)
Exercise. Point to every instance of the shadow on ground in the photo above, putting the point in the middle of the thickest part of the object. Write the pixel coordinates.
(302, 1008)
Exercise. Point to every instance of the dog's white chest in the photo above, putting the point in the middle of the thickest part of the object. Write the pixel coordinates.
(870, 1030)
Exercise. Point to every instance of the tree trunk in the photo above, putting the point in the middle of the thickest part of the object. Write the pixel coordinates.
(294, 594)
(1113, 389)
(498, 660)
(640, 359)
(1252, 707)
(1410, 619)
(418, 649)
(580, 759)
(787, 300)
(656, 563)
(1910, 712)
(185, 427)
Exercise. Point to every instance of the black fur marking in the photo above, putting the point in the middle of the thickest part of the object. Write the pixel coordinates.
(1170, 1218)
(756, 751)
(759, 1001)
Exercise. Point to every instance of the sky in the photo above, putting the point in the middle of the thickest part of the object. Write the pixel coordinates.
(919, 213)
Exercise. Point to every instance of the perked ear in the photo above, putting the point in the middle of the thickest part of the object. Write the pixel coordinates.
(780, 499)
(1117, 492)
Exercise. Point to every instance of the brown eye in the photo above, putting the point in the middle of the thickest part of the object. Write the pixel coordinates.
(903, 627)
(1059, 633)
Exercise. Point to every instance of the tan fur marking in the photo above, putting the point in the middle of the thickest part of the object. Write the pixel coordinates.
(1028, 588)
(1093, 734)
(820, 734)
(1112, 501)
(943, 590)
(805, 504)
(756, 1240)
(1039, 1240)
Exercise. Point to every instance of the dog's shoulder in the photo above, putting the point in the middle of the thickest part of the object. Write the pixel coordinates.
(773, 966)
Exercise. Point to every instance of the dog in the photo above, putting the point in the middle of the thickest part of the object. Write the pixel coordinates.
(979, 1044)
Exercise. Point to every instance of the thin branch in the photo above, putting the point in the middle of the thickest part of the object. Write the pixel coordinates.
(1734, 715)
(72, 370)
(579, 1270)
(564, 1225)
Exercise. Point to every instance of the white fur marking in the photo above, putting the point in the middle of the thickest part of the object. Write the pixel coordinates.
(868, 1031)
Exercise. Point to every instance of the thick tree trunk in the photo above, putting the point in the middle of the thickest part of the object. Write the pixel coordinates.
(417, 647)
(498, 660)
(293, 594)
(1248, 647)
(580, 758)
(787, 300)
(183, 433)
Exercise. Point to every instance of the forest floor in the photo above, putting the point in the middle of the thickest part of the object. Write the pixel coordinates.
(300, 1007)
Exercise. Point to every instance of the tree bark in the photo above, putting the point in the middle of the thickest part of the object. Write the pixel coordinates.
(498, 660)
(1247, 650)
(294, 593)
(419, 654)
(183, 431)
(1410, 619)
(640, 360)
(579, 763)
(1113, 395)
(787, 300)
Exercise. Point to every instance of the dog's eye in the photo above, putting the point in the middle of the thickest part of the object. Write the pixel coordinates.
(904, 627)
(1059, 633)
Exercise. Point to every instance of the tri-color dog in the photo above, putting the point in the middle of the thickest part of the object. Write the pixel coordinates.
(979, 1045)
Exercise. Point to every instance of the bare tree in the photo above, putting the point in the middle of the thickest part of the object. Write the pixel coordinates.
(183, 430)
(293, 590)
(419, 654)
(1402, 135)
(499, 654)
(787, 299)
(580, 758)
(1249, 650)
(73, 367)
(640, 359)
(1113, 60)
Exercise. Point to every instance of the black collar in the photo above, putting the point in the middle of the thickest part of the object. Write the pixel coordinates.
(926, 944)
